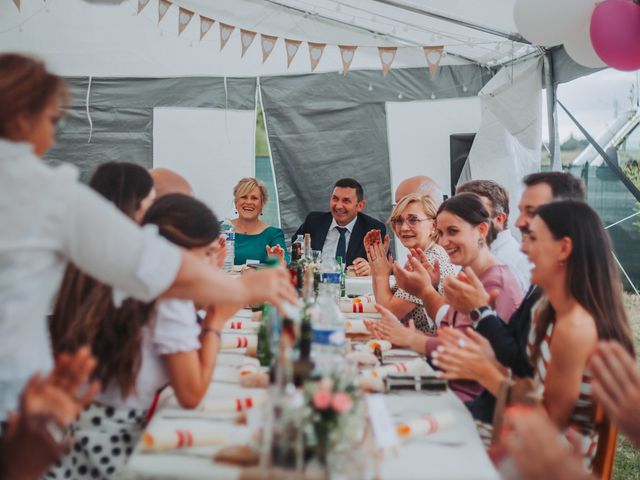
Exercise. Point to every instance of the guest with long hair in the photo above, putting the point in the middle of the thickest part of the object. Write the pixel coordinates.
(465, 231)
(581, 304)
(130, 188)
(141, 347)
(412, 220)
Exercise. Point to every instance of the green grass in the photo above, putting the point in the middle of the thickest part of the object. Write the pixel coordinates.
(627, 464)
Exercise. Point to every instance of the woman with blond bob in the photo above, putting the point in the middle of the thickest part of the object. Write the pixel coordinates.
(255, 240)
(412, 220)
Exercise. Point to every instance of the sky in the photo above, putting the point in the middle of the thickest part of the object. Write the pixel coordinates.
(592, 100)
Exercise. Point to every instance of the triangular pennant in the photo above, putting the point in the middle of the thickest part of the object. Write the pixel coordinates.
(205, 25)
(246, 39)
(141, 4)
(387, 56)
(292, 48)
(315, 53)
(347, 53)
(17, 2)
(184, 17)
(225, 34)
(268, 42)
(434, 57)
(163, 7)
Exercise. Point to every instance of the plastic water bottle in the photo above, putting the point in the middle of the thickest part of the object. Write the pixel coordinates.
(328, 332)
(230, 236)
(330, 273)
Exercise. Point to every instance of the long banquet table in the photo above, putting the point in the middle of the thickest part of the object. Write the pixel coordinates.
(455, 453)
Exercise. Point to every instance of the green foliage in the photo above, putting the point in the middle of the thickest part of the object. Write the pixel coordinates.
(573, 144)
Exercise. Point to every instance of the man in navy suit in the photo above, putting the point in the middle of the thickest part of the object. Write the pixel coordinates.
(341, 231)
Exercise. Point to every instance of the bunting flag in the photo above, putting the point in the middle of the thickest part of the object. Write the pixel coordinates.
(347, 53)
(141, 4)
(268, 42)
(163, 8)
(387, 56)
(315, 53)
(184, 17)
(246, 39)
(292, 47)
(205, 25)
(225, 33)
(17, 2)
(434, 57)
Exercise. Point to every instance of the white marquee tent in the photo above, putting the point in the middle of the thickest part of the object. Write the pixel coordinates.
(167, 83)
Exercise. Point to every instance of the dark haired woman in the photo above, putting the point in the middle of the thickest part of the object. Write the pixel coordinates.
(582, 304)
(142, 347)
(130, 188)
(49, 218)
(464, 228)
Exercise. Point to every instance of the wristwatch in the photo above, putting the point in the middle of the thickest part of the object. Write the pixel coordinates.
(479, 313)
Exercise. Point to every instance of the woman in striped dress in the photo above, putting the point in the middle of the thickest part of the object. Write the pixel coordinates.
(582, 304)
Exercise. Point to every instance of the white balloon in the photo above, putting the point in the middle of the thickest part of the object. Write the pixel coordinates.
(580, 48)
(548, 22)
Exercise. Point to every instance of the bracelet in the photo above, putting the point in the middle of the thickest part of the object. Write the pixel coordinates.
(206, 330)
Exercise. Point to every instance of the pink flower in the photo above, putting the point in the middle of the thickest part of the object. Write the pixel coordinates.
(322, 399)
(342, 402)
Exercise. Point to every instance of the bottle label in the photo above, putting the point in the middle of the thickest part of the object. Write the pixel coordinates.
(231, 236)
(328, 336)
(331, 278)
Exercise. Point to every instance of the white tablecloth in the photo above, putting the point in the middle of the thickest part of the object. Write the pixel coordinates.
(456, 453)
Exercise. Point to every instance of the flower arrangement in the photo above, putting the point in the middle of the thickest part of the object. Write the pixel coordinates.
(330, 402)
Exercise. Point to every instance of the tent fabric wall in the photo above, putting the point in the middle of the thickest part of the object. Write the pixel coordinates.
(121, 115)
(326, 126)
(507, 146)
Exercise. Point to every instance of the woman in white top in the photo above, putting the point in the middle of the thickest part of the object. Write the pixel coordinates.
(412, 221)
(49, 218)
(141, 347)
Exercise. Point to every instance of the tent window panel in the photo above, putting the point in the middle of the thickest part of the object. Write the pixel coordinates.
(211, 148)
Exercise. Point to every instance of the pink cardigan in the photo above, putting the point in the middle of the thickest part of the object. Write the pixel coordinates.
(498, 277)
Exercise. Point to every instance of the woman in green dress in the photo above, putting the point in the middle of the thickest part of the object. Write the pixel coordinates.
(255, 240)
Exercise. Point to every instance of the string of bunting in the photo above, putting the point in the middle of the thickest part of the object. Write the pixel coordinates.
(433, 54)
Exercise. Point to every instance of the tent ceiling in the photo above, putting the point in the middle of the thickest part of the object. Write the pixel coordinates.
(377, 23)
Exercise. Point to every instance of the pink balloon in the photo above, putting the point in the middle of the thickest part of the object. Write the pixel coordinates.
(615, 33)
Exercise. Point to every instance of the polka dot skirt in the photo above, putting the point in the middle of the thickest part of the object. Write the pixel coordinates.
(104, 438)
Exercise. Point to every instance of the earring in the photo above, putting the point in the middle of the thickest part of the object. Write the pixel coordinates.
(481, 242)
(562, 263)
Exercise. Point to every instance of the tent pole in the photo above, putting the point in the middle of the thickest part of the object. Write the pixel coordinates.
(515, 37)
(552, 114)
(612, 164)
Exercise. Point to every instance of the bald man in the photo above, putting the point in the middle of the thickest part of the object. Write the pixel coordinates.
(167, 181)
(421, 184)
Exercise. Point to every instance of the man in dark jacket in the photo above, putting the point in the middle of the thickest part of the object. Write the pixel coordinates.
(341, 231)
(509, 340)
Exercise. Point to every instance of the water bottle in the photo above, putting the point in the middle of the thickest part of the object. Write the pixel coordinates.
(330, 273)
(328, 332)
(230, 237)
(343, 276)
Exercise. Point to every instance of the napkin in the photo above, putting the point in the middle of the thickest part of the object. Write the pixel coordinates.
(227, 405)
(230, 342)
(432, 423)
(235, 324)
(249, 365)
(358, 305)
(414, 367)
(355, 326)
(163, 438)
